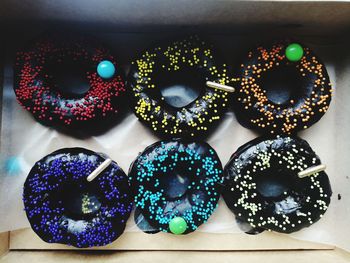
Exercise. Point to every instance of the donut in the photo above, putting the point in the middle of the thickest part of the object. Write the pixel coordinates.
(262, 186)
(176, 185)
(69, 81)
(283, 88)
(63, 207)
(168, 88)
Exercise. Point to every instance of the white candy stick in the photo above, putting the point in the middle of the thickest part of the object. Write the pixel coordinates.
(312, 170)
(99, 170)
(215, 85)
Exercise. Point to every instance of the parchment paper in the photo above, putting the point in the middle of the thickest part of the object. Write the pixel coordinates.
(27, 141)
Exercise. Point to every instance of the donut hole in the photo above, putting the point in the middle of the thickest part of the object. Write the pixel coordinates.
(272, 184)
(282, 84)
(68, 78)
(175, 184)
(79, 203)
(179, 88)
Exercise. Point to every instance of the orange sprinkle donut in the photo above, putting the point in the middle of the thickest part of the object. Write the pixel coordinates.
(283, 89)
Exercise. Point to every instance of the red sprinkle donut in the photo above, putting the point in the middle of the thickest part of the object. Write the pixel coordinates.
(56, 80)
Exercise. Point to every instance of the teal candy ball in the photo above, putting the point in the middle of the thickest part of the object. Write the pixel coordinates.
(105, 69)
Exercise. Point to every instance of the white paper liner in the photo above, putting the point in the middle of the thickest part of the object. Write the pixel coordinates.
(28, 141)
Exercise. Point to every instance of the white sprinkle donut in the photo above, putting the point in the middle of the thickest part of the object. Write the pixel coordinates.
(262, 186)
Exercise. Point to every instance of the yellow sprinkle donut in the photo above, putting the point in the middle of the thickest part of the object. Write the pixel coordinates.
(168, 87)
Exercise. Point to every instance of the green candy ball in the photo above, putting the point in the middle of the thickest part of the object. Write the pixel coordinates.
(294, 52)
(177, 225)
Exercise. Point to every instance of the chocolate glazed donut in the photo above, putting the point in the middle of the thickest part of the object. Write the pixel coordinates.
(169, 92)
(284, 88)
(263, 189)
(63, 207)
(57, 81)
(176, 186)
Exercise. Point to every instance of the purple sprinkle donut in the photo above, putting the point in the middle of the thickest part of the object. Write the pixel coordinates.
(63, 207)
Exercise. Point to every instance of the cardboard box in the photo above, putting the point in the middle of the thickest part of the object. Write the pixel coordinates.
(326, 20)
